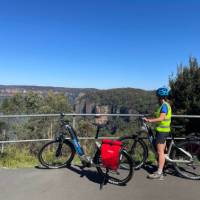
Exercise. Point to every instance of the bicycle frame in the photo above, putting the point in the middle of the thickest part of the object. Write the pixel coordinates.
(85, 159)
(172, 144)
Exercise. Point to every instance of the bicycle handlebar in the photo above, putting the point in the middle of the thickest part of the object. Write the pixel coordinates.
(143, 124)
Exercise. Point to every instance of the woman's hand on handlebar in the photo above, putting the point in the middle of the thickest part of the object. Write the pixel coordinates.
(146, 120)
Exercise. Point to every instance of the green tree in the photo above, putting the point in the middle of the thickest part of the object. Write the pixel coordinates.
(55, 104)
(13, 105)
(33, 102)
(185, 91)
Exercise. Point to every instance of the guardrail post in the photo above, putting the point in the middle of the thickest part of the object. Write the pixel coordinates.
(2, 145)
(74, 121)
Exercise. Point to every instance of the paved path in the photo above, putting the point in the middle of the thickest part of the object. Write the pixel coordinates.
(72, 184)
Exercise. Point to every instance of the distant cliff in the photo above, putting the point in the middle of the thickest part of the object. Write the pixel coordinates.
(121, 100)
(90, 100)
(71, 93)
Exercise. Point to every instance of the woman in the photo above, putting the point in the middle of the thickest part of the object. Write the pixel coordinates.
(163, 121)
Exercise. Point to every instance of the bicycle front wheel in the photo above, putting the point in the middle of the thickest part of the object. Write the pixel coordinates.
(136, 148)
(190, 170)
(56, 154)
(120, 176)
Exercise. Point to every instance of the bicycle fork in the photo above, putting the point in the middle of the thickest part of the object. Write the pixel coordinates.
(59, 148)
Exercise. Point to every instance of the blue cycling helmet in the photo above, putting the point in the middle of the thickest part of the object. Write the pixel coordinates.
(162, 92)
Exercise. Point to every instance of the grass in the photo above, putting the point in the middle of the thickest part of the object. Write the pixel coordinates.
(151, 158)
(17, 157)
(13, 157)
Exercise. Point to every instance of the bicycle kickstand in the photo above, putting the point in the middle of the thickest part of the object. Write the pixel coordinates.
(104, 179)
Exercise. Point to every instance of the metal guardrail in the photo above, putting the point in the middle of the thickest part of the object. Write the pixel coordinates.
(41, 140)
(74, 115)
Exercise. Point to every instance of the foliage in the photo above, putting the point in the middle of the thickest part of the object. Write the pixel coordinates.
(35, 103)
(32, 128)
(185, 91)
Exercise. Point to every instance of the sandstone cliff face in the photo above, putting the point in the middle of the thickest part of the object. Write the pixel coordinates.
(86, 106)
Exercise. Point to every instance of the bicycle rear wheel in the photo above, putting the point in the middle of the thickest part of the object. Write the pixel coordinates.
(136, 148)
(56, 154)
(122, 175)
(189, 170)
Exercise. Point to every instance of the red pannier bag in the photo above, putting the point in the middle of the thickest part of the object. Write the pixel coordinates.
(110, 152)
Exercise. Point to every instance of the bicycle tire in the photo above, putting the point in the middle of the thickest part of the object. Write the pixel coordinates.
(113, 177)
(136, 148)
(48, 158)
(189, 170)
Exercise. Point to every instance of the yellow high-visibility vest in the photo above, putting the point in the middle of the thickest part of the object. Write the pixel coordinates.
(164, 126)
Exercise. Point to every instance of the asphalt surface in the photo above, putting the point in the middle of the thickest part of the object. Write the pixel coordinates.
(74, 184)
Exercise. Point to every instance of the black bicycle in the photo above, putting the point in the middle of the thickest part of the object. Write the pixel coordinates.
(60, 152)
(184, 156)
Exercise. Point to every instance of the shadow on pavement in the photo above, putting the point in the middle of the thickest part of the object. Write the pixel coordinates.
(168, 170)
(93, 176)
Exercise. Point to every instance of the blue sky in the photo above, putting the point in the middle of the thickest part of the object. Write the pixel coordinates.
(96, 43)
